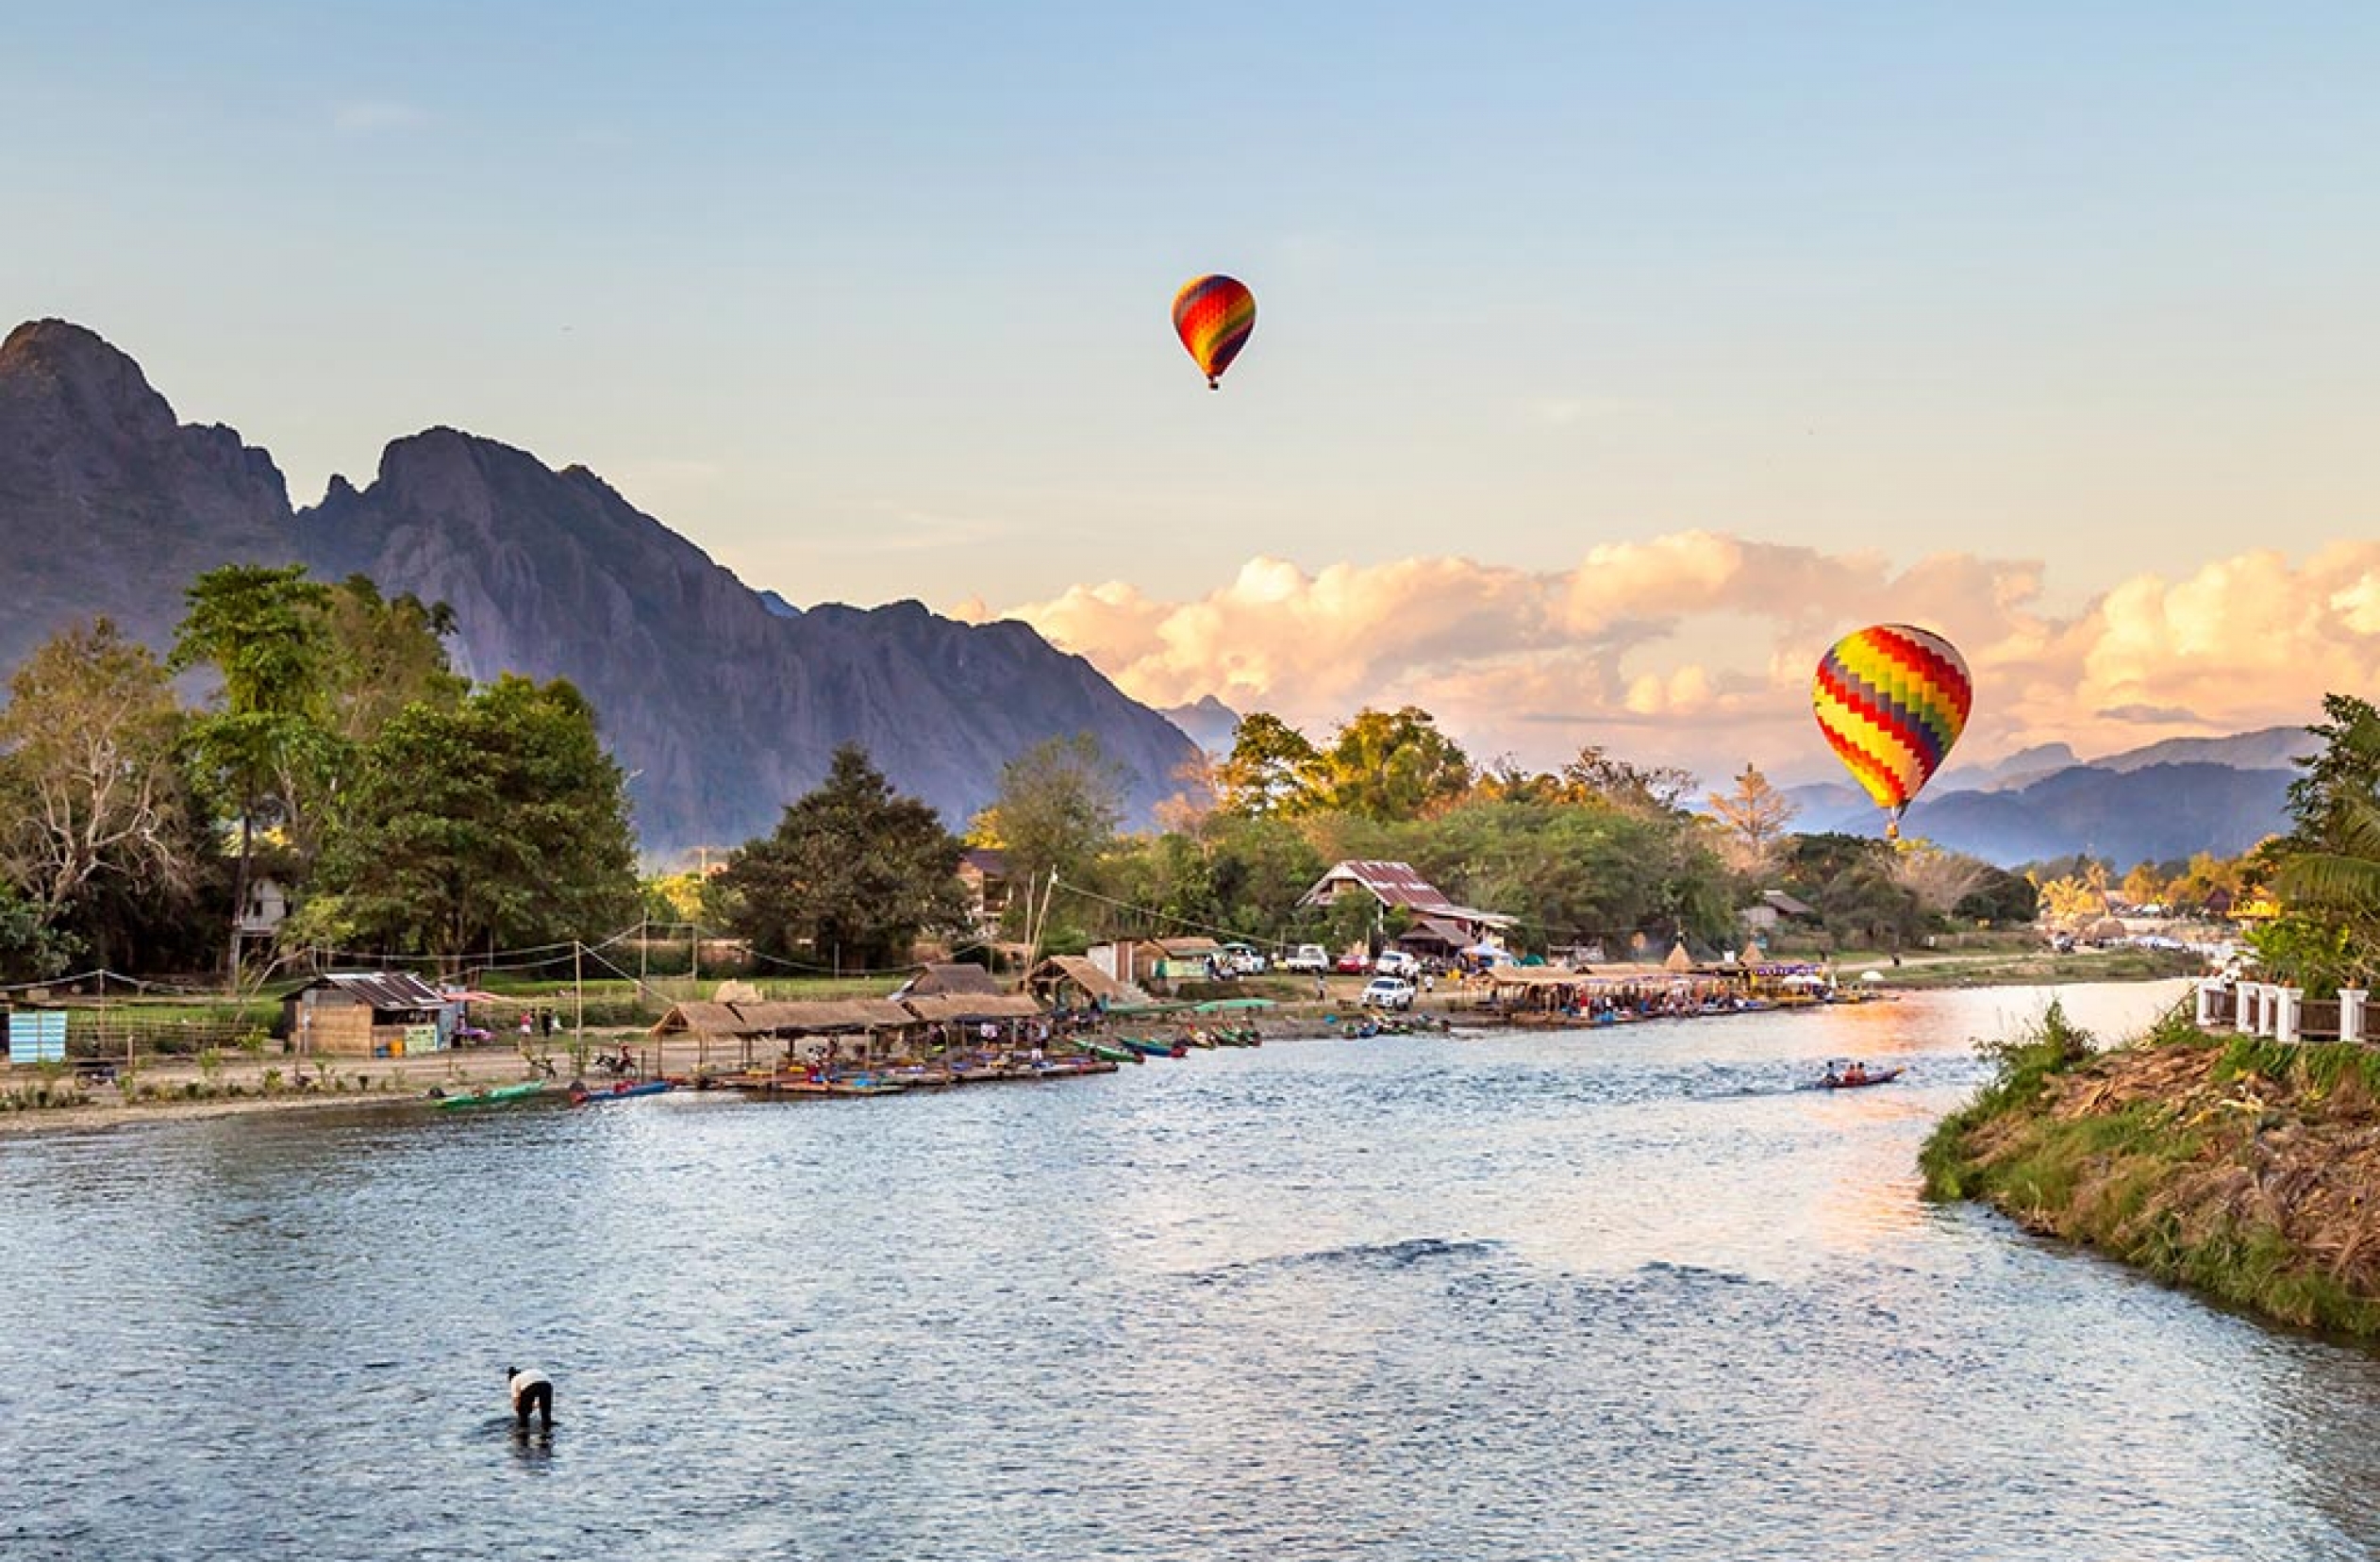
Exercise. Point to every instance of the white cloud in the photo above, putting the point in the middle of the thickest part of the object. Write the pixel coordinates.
(1696, 648)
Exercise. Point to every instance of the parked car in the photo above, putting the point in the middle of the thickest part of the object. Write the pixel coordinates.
(1353, 963)
(1392, 992)
(1242, 960)
(1397, 962)
(1306, 957)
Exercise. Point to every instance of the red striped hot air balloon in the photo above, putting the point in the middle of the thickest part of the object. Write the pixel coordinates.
(1213, 316)
(1892, 700)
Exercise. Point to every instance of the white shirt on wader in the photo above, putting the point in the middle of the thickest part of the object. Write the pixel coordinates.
(525, 1380)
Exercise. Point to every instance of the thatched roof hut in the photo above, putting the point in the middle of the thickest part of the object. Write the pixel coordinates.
(1063, 970)
(945, 977)
(968, 1008)
(700, 1018)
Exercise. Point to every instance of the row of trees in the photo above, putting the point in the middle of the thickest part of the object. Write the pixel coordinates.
(1598, 853)
(338, 753)
(408, 811)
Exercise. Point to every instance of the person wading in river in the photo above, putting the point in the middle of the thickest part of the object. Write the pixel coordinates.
(531, 1390)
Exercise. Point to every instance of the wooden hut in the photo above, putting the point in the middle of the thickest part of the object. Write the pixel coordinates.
(367, 1014)
(851, 1025)
(948, 976)
(1072, 982)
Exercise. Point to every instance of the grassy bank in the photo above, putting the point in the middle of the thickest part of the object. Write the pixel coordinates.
(2234, 1166)
(2031, 965)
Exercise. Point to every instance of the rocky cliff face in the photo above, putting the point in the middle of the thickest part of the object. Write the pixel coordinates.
(727, 707)
(107, 504)
(722, 705)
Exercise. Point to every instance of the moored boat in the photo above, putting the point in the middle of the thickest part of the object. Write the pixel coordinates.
(500, 1095)
(582, 1095)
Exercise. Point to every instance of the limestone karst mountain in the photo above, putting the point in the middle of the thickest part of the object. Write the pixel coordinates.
(722, 703)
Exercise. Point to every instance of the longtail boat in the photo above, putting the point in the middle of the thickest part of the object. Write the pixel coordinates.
(582, 1095)
(501, 1095)
(1113, 1054)
(1833, 1081)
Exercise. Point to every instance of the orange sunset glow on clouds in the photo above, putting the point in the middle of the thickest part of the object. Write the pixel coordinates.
(1697, 647)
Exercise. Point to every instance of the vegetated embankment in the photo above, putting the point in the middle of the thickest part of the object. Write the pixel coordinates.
(2234, 1165)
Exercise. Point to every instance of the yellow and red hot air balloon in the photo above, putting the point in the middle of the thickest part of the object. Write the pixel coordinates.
(1213, 316)
(1893, 700)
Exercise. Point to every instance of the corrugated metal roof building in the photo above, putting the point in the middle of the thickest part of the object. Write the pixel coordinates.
(368, 1014)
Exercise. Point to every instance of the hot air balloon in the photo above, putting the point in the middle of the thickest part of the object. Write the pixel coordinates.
(1213, 316)
(1892, 700)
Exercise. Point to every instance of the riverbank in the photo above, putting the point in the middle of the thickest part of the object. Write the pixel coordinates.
(183, 1090)
(2234, 1165)
(2038, 966)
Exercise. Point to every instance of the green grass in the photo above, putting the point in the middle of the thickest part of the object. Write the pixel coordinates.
(2117, 1180)
(2318, 1067)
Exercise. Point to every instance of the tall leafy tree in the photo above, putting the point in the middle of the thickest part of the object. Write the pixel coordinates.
(261, 627)
(1273, 768)
(383, 654)
(1597, 774)
(89, 793)
(1394, 765)
(1057, 808)
(851, 875)
(498, 822)
(2326, 869)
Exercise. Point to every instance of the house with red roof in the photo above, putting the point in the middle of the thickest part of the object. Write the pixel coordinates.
(1440, 926)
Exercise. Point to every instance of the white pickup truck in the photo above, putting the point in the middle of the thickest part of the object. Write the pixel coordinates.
(1310, 958)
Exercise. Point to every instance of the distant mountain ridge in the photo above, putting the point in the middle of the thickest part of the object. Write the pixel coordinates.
(2166, 800)
(722, 703)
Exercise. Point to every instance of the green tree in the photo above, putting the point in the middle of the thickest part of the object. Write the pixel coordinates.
(1057, 809)
(1939, 877)
(500, 822)
(1596, 776)
(31, 948)
(261, 630)
(1392, 765)
(851, 875)
(383, 654)
(90, 795)
(1272, 769)
(1865, 904)
(2326, 869)
(2000, 897)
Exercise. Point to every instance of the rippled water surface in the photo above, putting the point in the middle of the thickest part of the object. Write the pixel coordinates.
(1623, 1293)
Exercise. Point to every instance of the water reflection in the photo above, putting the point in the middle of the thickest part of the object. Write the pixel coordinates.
(1628, 1293)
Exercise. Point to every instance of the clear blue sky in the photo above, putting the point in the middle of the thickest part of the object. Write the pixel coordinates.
(871, 300)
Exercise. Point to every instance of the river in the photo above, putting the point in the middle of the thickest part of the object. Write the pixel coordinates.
(1622, 1293)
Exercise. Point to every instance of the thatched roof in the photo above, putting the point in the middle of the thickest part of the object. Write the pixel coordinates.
(1079, 970)
(950, 976)
(820, 1016)
(703, 1018)
(966, 1006)
(1537, 976)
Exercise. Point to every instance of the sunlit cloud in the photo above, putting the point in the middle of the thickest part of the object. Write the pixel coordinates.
(1696, 648)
